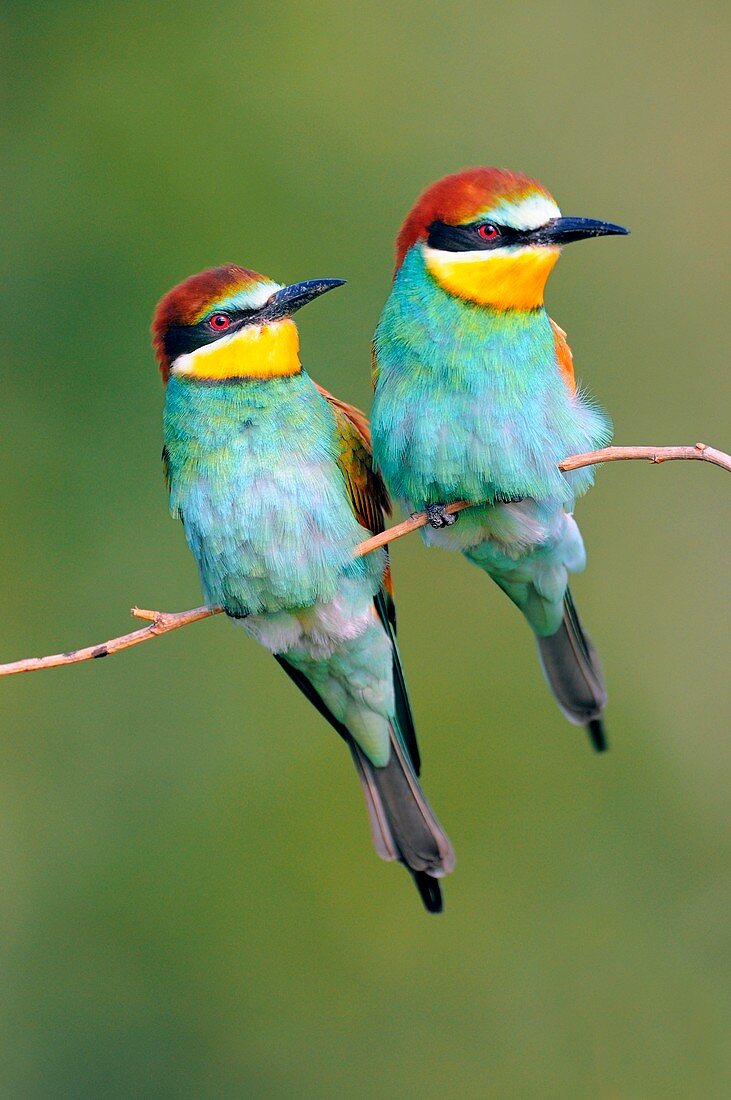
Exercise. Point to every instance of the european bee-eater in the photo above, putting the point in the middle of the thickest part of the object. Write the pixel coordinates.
(476, 400)
(272, 479)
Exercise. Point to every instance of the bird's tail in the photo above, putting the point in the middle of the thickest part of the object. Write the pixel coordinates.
(571, 667)
(403, 824)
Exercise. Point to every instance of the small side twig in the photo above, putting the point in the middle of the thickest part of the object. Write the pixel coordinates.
(162, 622)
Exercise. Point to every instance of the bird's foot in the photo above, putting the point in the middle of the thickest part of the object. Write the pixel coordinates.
(438, 516)
(508, 498)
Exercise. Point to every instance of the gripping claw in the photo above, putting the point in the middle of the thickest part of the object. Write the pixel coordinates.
(438, 516)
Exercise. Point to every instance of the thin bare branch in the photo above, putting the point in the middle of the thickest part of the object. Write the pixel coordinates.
(413, 523)
(162, 622)
(702, 452)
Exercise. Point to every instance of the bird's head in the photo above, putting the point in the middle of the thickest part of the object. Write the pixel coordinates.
(491, 236)
(229, 322)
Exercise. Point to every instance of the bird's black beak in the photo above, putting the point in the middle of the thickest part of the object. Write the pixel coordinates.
(565, 230)
(291, 298)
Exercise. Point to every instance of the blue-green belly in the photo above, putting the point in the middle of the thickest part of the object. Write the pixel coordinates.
(254, 477)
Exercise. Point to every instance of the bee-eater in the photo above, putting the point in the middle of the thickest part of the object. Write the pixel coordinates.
(475, 399)
(272, 478)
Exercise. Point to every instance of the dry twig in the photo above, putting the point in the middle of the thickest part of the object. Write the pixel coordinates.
(162, 622)
(701, 451)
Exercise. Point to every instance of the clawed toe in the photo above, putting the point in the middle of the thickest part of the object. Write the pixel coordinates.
(438, 516)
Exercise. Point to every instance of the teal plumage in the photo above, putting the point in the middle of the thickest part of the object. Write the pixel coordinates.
(470, 403)
(272, 479)
(475, 400)
(255, 479)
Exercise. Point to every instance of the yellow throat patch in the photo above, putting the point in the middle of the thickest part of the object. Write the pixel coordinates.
(504, 280)
(256, 351)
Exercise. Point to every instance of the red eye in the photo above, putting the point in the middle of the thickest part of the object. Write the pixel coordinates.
(219, 321)
(488, 232)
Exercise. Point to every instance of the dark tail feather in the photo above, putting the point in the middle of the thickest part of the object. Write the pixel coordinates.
(403, 824)
(598, 738)
(571, 667)
(429, 891)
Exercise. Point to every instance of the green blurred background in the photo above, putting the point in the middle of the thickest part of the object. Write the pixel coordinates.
(190, 906)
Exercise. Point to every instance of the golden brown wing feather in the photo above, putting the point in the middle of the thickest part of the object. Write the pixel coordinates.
(366, 488)
(375, 368)
(371, 504)
(564, 356)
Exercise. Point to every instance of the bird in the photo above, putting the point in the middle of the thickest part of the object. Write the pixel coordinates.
(476, 399)
(273, 481)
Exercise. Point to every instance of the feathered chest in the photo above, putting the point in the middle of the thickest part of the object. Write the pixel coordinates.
(254, 477)
(472, 402)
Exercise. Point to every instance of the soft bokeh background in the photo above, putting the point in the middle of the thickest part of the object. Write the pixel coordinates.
(190, 906)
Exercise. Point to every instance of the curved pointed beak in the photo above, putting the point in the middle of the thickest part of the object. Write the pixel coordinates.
(565, 230)
(291, 298)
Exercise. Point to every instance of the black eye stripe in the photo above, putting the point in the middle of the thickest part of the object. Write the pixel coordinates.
(183, 339)
(466, 238)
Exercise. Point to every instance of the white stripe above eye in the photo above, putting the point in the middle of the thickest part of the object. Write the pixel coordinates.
(529, 213)
(250, 298)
